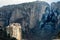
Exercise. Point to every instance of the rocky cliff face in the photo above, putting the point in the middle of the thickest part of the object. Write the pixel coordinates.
(26, 13)
(38, 19)
(55, 7)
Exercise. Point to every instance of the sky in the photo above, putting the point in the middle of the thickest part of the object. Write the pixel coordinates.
(11, 2)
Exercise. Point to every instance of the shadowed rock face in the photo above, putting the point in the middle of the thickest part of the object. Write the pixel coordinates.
(38, 19)
(56, 10)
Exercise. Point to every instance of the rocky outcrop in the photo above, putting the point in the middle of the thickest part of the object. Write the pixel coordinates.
(14, 31)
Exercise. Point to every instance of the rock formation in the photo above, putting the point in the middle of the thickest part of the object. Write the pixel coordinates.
(38, 20)
(14, 31)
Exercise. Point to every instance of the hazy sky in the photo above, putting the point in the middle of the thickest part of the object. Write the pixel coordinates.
(10, 2)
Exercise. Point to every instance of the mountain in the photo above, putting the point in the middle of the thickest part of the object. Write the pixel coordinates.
(27, 12)
(39, 20)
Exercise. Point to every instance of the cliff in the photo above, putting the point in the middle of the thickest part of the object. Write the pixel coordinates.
(38, 19)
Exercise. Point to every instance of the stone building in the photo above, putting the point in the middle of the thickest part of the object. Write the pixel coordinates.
(14, 30)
